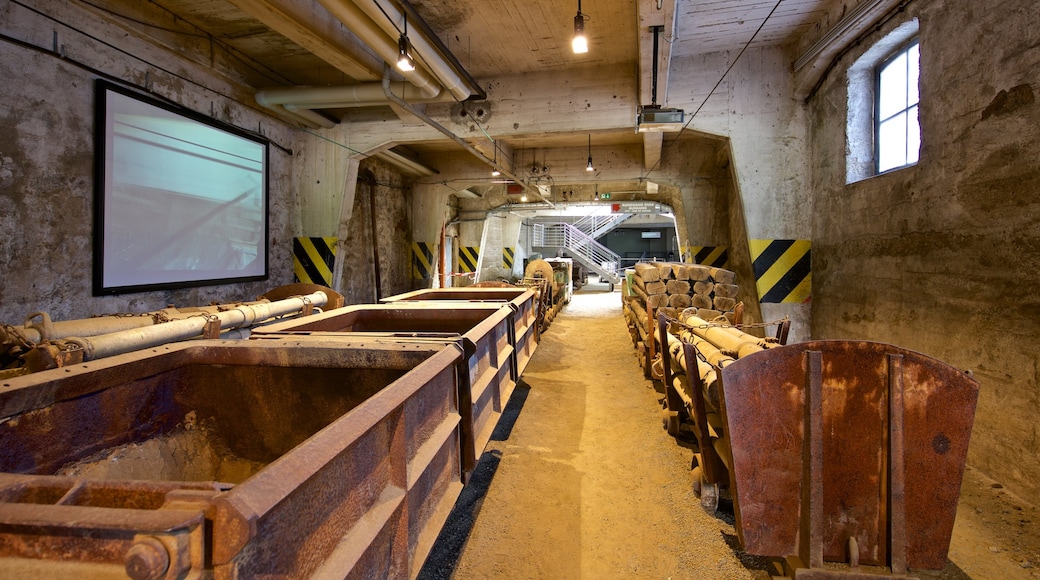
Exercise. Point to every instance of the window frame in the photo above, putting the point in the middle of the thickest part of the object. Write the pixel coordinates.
(903, 48)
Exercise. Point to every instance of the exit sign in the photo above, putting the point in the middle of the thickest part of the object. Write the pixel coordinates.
(604, 196)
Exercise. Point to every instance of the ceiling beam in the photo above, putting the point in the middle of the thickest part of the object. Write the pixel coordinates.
(313, 28)
(654, 13)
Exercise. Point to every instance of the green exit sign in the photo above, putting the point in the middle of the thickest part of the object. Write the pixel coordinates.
(604, 196)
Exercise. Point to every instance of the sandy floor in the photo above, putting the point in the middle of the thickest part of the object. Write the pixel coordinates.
(581, 481)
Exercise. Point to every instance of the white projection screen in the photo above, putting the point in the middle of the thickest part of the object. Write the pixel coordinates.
(180, 200)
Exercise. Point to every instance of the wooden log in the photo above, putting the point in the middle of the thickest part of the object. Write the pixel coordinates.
(677, 287)
(647, 272)
(656, 288)
(707, 314)
(680, 272)
(656, 301)
(724, 304)
(668, 311)
(699, 301)
(679, 301)
(703, 288)
(641, 294)
(721, 276)
(727, 290)
(665, 269)
(698, 273)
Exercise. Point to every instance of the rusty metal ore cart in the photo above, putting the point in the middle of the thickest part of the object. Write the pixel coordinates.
(847, 451)
(484, 330)
(525, 317)
(230, 459)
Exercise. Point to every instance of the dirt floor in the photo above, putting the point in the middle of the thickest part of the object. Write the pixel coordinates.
(581, 481)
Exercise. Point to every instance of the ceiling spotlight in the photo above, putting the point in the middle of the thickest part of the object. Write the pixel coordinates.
(589, 167)
(404, 50)
(523, 197)
(580, 44)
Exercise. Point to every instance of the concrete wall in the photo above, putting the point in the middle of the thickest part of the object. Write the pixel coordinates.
(944, 257)
(47, 151)
(765, 152)
(376, 250)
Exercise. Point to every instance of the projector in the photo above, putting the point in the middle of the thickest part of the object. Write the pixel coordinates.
(654, 118)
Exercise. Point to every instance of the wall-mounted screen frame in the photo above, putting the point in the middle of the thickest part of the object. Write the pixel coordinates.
(181, 200)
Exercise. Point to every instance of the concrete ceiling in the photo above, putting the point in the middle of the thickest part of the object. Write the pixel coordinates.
(310, 42)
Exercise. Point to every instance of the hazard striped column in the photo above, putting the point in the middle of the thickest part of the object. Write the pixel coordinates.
(313, 260)
(783, 270)
(507, 258)
(715, 256)
(422, 260)
(468, 257)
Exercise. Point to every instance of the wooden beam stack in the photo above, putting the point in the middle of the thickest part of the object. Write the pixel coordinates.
(671, 288)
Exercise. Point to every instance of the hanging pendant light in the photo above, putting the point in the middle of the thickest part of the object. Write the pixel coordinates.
(579, 44)
(494, 168)
(404, 50)
(589, 167)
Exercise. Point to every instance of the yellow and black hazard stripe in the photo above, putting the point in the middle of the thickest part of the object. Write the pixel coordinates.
(313, 260)
(783, 270)
(715, 256)
(507, 258)
(422, 260)
(468, 256)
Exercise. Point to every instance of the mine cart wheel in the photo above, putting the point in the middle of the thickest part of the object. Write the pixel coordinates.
(709, 497)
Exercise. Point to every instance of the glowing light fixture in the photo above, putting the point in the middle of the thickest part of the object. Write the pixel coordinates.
(580, 44)
(494, 168)
(589, 167)
(404, 50)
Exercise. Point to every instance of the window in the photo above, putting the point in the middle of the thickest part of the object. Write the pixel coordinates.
(893, 61)
(897, 132)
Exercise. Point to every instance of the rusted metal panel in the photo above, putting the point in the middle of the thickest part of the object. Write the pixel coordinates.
(485, 330)
(765, 410)
(353, 452)
(525, 318)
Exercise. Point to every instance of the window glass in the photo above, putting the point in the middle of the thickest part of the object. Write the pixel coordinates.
(897, 131)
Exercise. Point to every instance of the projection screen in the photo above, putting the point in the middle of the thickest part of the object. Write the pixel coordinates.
(180, 200)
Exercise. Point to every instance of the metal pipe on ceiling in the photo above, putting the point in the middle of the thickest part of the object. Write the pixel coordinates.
(430, 34)
(334, 97)
(380, 41)
(447, 132)
(386, 15)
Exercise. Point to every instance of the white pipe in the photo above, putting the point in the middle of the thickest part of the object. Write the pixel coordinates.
(130, 340)
(430, 56)
(383, 44)
(308, 119)
(340, 96)
(312, 117)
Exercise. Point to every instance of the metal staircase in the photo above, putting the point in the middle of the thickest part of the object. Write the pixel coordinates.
(598, 225)
(580, 246)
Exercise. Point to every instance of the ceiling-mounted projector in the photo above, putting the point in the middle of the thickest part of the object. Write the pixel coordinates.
(654, 118)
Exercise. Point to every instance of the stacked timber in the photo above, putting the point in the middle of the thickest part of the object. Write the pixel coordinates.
(697, 350)
(671, 288)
